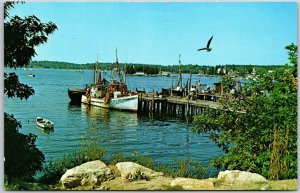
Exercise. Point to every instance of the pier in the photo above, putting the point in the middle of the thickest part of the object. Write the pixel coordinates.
(152, 103)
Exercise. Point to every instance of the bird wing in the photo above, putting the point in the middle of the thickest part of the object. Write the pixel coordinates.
(208, 43)
(201, 49)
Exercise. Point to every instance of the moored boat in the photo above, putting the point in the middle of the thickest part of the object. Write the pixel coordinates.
(44, 123)
(76, 94)
(128, 103)
(113, 94)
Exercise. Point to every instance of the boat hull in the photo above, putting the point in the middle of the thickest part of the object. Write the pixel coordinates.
(75, 95)
(44, 123)
(128, 103)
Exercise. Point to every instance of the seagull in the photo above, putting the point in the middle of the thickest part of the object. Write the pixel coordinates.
(208, 49)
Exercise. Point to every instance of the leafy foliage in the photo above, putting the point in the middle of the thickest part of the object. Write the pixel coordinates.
(22, 158)
(17, 184)
(293, 56)
(258, 128)
(13, 88)
(179, 168)
(186, 168)
(20, 38)
(228, 83)
(136, 157)
(10, 186)
(53, 171)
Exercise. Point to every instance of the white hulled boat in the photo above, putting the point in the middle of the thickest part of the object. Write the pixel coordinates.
(113, 94)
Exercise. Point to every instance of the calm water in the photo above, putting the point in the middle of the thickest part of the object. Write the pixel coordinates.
(118, 132)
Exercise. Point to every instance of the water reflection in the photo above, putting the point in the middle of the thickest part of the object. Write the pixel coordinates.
(106, 126)
(96, 115)
(47, 131)
(101, 116)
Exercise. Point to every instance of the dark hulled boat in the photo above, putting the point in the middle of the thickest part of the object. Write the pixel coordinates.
(75, 95)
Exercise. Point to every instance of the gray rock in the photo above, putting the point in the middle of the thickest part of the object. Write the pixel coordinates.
(90, 173)
(193, 184)
(240, 176)
(131, 170)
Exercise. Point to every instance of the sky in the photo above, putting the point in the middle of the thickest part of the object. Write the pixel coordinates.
(157, 32)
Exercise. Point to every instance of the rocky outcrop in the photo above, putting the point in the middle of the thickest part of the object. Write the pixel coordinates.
(87, 174)
(193, 184)
(96, 175)
(132, 171)
(240, 176)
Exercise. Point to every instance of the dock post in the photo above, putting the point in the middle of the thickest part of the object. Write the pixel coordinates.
(152, 102)
(183, 110)
(139, 102)
(146, 106)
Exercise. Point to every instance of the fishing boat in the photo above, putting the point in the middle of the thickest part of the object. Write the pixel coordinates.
(76, 94)
(44, 123)
(113, 94)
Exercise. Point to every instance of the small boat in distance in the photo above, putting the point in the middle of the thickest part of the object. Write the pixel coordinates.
(30, 74)
(44, 123)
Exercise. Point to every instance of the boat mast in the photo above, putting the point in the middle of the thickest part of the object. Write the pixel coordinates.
(179, 84)
(113, 70)
(95, 73)
(98, 71)
(118, 68)
(125, 73)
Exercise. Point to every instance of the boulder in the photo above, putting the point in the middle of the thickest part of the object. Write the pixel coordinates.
(131, 171)
(87, 174)
(240, 176)
(193, 184)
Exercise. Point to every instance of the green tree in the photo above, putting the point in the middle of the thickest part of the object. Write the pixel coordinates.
(293, 56)
(21, 36)
(228, 83)
(257, 129)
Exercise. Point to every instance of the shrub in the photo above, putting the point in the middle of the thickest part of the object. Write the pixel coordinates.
(22, 158)
(136, 157)
(187, 168)
(54, 170)
(182, 168)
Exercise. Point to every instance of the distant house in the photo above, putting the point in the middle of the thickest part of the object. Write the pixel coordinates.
(165, 74)
(139, 74)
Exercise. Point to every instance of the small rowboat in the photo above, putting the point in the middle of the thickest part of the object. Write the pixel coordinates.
(30, 74)
(44, 123)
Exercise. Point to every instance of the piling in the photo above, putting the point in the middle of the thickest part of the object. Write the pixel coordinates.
(150, 103)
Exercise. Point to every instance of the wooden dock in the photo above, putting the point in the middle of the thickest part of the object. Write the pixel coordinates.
(151, 103)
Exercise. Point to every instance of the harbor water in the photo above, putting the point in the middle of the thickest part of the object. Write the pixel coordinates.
(162, 138)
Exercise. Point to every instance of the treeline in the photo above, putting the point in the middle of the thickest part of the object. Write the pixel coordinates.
(132, 68)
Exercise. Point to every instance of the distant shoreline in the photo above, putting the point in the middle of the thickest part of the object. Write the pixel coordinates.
(154, 70)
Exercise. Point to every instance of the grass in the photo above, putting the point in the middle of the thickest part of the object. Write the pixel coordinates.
(53, 171)
(172, 188)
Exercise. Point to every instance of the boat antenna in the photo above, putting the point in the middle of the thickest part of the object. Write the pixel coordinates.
(117, 56)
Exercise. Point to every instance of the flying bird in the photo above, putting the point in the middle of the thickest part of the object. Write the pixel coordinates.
(207, 48)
